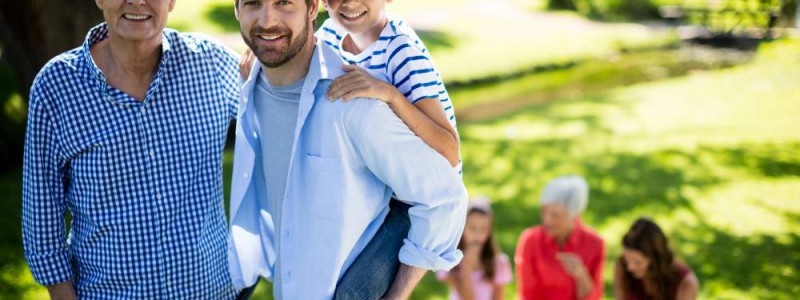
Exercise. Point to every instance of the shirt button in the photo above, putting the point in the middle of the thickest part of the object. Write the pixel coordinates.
(246, 175)
(152, 154)
(144, 110)
(255, 135)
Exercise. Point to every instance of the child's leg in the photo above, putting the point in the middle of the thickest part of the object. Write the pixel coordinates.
(372, 273)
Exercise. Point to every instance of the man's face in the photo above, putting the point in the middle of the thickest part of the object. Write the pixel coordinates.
(357, 16)
(136, 20)
(275, 30)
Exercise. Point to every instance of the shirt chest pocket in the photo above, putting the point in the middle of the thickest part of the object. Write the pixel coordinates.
(324, 187)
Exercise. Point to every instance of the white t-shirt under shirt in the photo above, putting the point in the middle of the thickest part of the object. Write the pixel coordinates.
(398, 57)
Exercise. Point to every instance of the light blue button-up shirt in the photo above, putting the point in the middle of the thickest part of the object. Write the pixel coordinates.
(346, 161)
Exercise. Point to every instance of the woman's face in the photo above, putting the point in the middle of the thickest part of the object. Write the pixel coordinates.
(478, 229)
(556, 220)
(635, 262)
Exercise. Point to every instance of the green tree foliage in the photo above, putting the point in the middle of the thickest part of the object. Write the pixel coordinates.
(609, 9)
(32, 32)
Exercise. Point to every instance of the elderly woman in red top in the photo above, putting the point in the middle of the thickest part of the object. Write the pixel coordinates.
(562, 258)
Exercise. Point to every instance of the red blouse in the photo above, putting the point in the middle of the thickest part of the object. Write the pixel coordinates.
(540, 274)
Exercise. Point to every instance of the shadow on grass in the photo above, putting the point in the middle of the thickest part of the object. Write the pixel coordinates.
(619, 182)
(478, 99)
(765, 265)
(769, 160)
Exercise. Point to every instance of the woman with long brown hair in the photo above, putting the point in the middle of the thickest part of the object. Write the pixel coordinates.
(648, 269)
(485, 270)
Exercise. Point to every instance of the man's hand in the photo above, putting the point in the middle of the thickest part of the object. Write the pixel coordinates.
(246, 63)
(404, 282)
(357, 83)
(62, 291)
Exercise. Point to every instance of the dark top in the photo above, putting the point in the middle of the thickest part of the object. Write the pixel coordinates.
(637, 289)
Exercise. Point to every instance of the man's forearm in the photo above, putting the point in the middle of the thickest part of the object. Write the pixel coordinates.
(404, 282)
(62, 291)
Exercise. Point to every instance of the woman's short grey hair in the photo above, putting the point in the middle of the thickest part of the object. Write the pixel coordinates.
(570, 191)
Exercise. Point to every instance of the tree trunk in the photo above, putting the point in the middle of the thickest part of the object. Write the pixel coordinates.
(31, 33)
(34, 31)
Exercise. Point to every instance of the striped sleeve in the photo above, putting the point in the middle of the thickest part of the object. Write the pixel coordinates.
(411, 70)
(329, 34)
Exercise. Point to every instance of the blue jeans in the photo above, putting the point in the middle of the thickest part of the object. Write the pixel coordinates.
(372, 273)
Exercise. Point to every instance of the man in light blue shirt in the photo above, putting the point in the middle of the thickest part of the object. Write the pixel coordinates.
(300, 215)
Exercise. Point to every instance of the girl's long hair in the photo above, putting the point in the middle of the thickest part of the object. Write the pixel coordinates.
(490, 248)
(662, 279)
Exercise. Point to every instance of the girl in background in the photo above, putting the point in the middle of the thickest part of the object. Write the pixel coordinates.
(485, 270)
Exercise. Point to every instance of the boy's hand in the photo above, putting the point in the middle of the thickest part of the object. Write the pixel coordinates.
(357, 83)
(246, 63)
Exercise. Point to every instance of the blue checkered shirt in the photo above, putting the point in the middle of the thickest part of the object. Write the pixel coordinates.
(141, 180)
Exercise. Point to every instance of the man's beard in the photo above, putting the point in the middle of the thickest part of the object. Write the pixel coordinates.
(276, 57)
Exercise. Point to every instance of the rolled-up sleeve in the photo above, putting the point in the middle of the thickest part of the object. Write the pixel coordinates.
(420, 177)
(43, 198)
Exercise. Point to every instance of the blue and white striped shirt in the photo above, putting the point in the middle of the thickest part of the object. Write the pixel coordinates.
(398, 57)
(141, 180)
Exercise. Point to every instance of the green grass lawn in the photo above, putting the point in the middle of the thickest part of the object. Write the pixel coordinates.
(713, 156)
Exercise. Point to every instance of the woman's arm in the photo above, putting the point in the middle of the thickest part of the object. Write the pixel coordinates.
(688, 288)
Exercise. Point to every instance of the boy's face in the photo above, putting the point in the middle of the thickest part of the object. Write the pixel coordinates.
(358, 16)
(276, 30)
